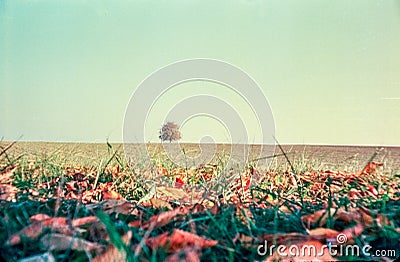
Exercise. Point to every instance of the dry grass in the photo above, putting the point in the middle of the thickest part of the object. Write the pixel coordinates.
(275, 200)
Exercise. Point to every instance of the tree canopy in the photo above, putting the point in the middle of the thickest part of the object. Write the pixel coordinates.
(170, 131)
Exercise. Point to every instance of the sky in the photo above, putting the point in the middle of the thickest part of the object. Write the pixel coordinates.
(330, 70)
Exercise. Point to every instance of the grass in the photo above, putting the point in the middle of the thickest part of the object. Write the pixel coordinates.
(279, 196)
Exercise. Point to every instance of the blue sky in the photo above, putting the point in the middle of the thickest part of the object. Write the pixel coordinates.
(329, 69)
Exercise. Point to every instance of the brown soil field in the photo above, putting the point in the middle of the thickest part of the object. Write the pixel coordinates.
(317, 156)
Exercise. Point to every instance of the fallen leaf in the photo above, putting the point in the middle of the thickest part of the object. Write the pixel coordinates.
(285, 210)
(33, 192)
(179, 182)
(39, 217)
(333, 236)
(187, 254)
(348, 217)
(45, 257)
(161, 219)
(111, 194)
(7, 192)
(151, 193)
(162, 170)
(175, 193)
(113, 170)
(77, 222)
(159, 203)
(71, 186)
(354, 231)
(7, 174)
(280, 239)
(113, 206)
(245, 240)
(354, 194)
(34, 230)
(370, 168)
(63, 242)
(112, 253)
(373, 190)
(369, 217)
(178, 240)
(323, 234)
(320, 216)
(244, 215)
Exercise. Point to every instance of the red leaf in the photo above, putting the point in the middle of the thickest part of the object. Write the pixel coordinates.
(372, 189)
(370, 168)
(179, 182)
(84, 221)
(34, 230)
(161, 219)
(179, 240)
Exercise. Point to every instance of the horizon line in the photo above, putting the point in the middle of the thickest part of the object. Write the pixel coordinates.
(224, 143)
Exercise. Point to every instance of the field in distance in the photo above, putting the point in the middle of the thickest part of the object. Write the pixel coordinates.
(320, 156)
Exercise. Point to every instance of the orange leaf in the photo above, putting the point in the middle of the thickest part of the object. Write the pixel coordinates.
(84, 221)
(55, 222)
(33, 231)
(370, 168)
(366, 216)
(187, 254)
(136, 223)
(179, 240)
(161, 219)
(112, 195)
(158, 241)
(347, 217)
(39, 217)
(111, 206)
(159, 203)
(71, 195)
(5, 177)
(162, 170)
(323, 233)
(353, 232)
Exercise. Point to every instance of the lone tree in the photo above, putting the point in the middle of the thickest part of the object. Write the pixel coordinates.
(170, 131)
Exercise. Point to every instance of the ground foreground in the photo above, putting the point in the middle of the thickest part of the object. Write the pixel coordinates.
(84, 202)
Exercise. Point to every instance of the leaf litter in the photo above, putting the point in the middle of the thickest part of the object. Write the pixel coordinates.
(176, 223)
